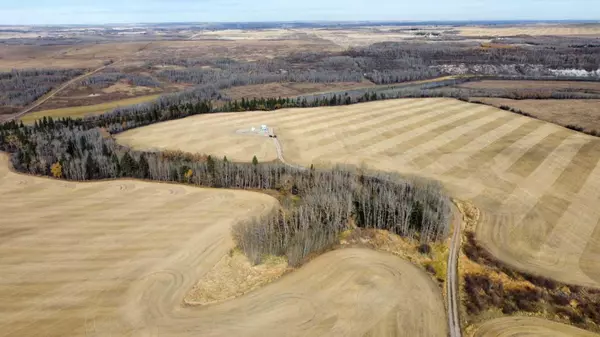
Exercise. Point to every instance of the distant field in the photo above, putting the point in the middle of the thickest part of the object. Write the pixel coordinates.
(528, 327)
(81, 111)
(538, 29)
(537, 184)
(553, 85)
(580, 112)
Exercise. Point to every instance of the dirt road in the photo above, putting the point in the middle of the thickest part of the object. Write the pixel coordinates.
(452, 278)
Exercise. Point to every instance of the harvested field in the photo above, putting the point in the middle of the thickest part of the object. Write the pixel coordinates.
(86, 110)
(579, 112)
(537, 184)
(553, 85)
(118, 257)
(194, 135)
(538, 29)
(528, 326)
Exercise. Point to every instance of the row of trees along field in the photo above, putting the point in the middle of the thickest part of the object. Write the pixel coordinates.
(329, 201)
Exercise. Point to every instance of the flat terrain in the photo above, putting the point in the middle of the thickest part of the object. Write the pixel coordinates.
(528, 326)
(537, 184)
(86, 110)
(93, 55)
(553, 85)
(198, 135)
(581, 112)
(535, 29)
(290, 89)
(116, 258)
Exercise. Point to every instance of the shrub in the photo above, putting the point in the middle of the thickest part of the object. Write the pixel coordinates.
(424, 249)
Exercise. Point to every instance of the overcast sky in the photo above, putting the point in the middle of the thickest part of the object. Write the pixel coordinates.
(140, 11)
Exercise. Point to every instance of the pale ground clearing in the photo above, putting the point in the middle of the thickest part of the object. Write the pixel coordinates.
(116, 258)
(535, 29)
(528, 327)
(537, 184)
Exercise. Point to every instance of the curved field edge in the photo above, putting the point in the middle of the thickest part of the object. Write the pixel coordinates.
(528, 326)
(537, 184)
(119, 256)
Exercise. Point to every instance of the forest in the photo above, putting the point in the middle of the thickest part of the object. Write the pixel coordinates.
(21, 87)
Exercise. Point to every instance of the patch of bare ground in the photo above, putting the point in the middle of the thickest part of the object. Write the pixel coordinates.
(491, 289)
(234, 275)
(581, 113)
(290, 89)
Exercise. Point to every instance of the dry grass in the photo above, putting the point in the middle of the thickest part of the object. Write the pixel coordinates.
(553, 85)
(290, 89)
(81, 111)
(536, 29)
(536, 184)
(579, 112)
(527, 327)
(234, 276)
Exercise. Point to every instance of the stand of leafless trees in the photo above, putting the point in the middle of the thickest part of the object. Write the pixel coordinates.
(21, 87)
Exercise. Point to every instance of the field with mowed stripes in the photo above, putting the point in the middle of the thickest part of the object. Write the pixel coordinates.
(537, 184)
(116, 258)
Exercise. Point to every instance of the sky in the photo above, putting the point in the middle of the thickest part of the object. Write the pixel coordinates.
(22, 12)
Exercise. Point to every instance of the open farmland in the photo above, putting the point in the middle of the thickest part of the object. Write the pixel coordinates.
(577, 112)
(528, 326)
(593, 87)
(533, 30)
(116, 258)
(537, 184)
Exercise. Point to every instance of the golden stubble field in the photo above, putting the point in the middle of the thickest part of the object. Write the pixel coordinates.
(537, 184)
(528, 327)
(117, 258)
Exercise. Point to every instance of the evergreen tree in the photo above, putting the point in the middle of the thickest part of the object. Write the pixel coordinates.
(254, 161)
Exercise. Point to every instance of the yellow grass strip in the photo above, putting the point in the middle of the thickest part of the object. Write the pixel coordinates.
(86, 110)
